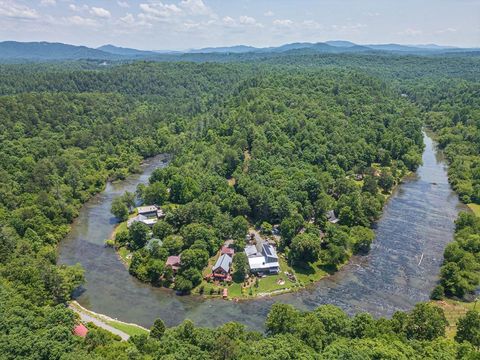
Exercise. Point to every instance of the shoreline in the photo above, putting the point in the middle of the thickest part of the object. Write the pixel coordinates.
(117, 327)
(296, 287)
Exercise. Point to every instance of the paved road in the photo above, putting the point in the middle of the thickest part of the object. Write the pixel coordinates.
(86, 318)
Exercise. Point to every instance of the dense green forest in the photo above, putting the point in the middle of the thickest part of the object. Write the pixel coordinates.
(292, 144)
(291, 131)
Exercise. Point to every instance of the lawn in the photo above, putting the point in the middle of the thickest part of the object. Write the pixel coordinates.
(129, 329)
(454, 310)
(475, 208)
(123, 253)
(266, 285)
(310, 273)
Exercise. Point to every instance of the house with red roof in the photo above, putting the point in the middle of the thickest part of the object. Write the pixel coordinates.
(173, 262)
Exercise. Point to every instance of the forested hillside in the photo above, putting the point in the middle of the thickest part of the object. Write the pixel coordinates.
(269, 143)
(291, 145)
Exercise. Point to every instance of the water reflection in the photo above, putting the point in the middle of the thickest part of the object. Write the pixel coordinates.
(399, 271)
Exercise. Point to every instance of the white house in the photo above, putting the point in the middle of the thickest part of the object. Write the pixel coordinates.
(263, 261)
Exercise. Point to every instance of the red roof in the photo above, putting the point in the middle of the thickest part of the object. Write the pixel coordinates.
(80, 330)
(173, 261)
(227, 250)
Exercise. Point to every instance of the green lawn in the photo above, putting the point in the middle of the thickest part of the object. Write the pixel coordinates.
(475, 208)
(123, 253)
(310, 273)
(128, 328)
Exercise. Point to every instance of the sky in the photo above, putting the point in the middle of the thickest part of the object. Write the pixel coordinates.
(187, 24)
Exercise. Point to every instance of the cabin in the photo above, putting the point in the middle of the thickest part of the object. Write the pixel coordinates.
(174, 263)
(221, 269)
(331, 217)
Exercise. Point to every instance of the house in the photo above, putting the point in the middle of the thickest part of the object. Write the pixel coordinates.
(173, 262)
(263, 261)
(148, 211)
(143, 219)
(80, 330)
(331, 217)
(227, 250)
(221, 269)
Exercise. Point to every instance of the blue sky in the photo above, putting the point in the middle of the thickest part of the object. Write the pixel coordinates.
(183, 24)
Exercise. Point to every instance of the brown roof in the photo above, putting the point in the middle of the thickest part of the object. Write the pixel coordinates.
(227, 250)
(173, 261)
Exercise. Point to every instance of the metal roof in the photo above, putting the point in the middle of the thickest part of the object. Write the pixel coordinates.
(223, 262)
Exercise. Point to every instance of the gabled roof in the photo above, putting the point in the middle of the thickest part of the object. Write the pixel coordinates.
(173, 261)
(147, 209)
(140, 218)
(251, 250)
(223, 262)
(269, 251)
(331, 216)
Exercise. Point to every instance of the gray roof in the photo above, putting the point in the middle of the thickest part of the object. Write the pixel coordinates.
(223, 262)
(251, 250)
(269, 251)
(147, 209)
(135, 219)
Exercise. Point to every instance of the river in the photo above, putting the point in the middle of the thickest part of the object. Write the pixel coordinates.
(400, 270)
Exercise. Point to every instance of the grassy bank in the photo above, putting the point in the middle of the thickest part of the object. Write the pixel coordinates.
(475, 208)
(454, 310)
(128, 328)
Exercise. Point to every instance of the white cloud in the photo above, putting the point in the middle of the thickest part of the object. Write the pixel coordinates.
(100, 12)
(269, 13)
(247, 20)
(81, 21)
(78, 8)
(283, 22)
(227, 20)
(195, 7)
(159, 10)
(371, 14)
(445, 31)
(128, 19)
(123, 4)
(11, 9)
(48, 2)
(410, 32)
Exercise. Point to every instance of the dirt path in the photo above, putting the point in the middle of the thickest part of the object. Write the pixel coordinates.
(98, 319)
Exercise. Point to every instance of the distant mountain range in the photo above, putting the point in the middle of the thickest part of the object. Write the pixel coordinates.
(45, 51)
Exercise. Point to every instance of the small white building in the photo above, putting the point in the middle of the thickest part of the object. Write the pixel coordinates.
(143, 219)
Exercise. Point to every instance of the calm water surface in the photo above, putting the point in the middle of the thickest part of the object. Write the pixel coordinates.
(400, 270)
